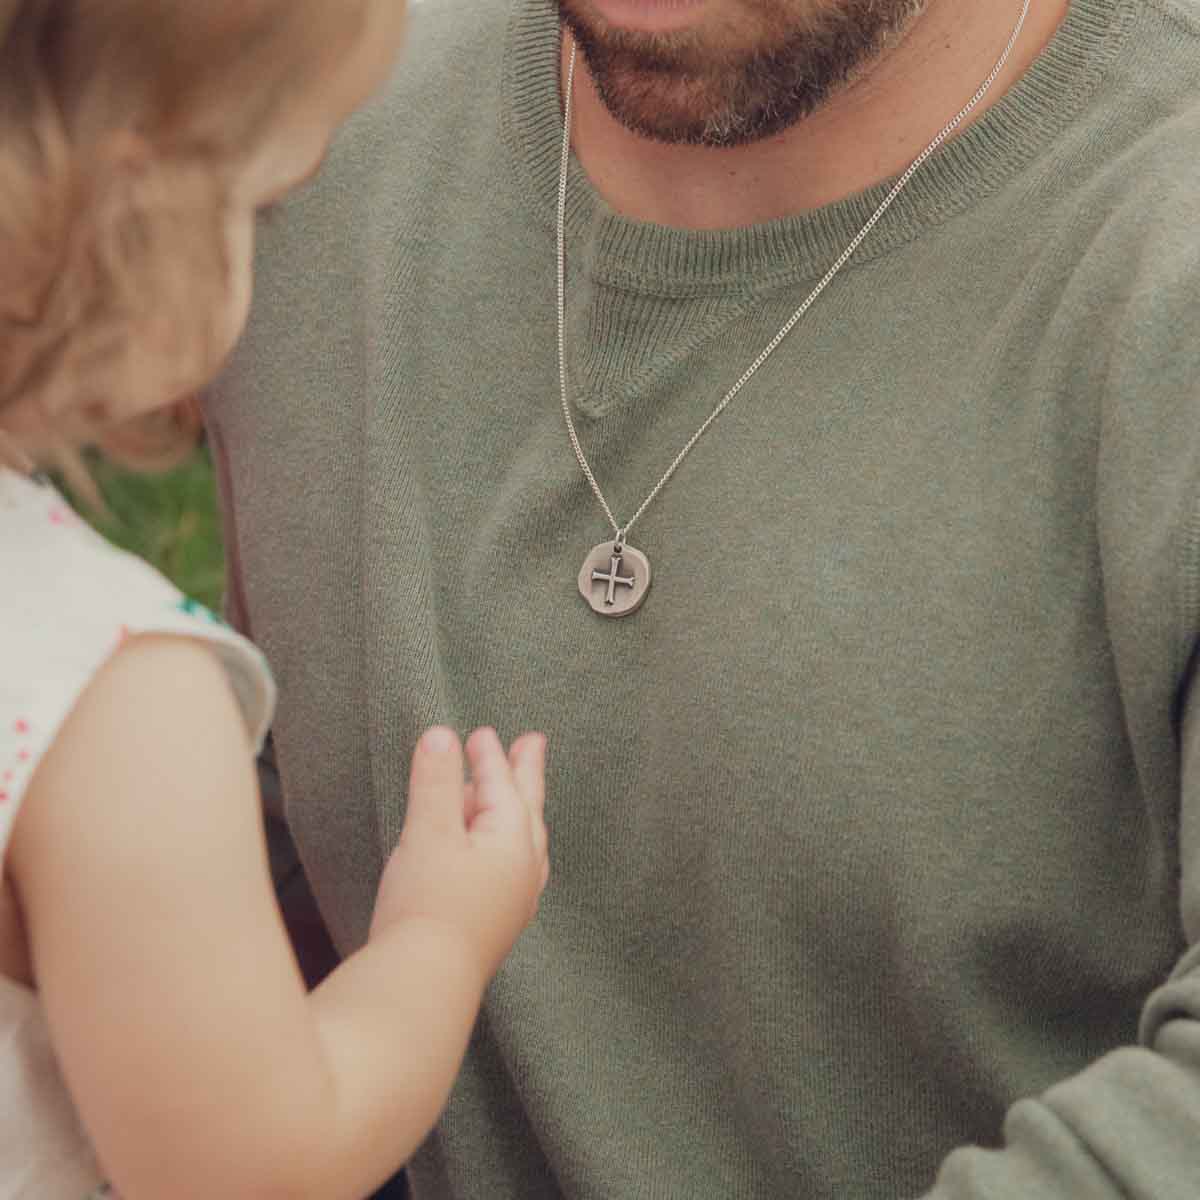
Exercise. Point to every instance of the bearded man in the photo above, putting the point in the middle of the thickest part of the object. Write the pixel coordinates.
(839, 524)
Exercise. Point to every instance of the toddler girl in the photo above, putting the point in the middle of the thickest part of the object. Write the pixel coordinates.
(156, 1039)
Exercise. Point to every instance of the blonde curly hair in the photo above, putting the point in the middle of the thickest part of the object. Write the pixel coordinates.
(121, 122)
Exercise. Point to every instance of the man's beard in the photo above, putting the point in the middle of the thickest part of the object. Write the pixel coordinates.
(705, 87)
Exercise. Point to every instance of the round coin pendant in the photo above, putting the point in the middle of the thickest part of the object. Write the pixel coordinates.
(614, 579)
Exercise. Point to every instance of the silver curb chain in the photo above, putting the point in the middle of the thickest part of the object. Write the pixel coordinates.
(621, 532)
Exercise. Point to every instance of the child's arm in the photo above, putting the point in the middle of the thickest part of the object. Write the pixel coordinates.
(198, 1063)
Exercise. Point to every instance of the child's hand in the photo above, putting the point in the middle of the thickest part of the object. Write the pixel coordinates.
(472, 856)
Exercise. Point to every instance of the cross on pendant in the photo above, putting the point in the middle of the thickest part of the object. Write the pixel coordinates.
(613, 578)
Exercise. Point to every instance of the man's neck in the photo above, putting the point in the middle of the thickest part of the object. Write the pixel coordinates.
(870, 131)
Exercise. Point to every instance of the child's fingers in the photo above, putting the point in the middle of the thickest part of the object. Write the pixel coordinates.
(527, 758)
(495, 792)
(528, 761)
(435, 793)
(489, 769)
(470, 803)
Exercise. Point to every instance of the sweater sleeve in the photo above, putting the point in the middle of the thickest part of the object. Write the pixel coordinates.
(1128, 1126)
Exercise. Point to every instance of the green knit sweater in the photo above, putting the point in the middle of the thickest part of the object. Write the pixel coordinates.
(876, 831)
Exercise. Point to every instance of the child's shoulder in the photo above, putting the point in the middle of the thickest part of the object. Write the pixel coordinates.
(68, 601)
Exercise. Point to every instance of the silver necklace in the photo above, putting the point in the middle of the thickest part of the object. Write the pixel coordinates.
(615, 577)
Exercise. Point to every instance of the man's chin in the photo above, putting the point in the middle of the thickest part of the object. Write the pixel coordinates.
(718, 131)
(712, 83)
(665, 103)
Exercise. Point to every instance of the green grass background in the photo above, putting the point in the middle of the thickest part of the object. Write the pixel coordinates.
(169, 519)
